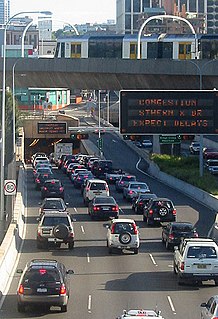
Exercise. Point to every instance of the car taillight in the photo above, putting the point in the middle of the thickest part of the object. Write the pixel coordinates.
(96, 208)
(110, 178)
(171, 236)
(130, 192)
(150, 211)
(121, 183)
(61, 189)
(72, 234)
(20, 290)
(87, 189)
(182, 266)
(195, 234)
(174, 212)
(112, 229)
(115, 208)
(37, 180)
(141, 203)
(135, 229)
(45, 188)
(107, 189)
(78, 178)
(63, 290)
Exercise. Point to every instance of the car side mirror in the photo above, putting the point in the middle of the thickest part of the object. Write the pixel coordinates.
(39, 203)
(19, 271)
(107, 226)
(204, 304)
(67, 204)
(176, 248)
(70, 272)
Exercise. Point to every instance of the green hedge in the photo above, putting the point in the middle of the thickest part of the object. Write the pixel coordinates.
(187, 169)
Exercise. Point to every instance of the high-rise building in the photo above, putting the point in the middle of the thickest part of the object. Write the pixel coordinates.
(45, 28)
(4, 11)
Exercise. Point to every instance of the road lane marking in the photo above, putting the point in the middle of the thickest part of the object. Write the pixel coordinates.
(89, 303)
(114, 141)
(137, 167)
(152, 259)
(88, 258)
(171, 304)
(82, 229)
(75, 209)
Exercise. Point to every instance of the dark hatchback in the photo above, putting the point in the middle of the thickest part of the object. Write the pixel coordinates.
(52, 188)
(174, 232)
(41, 178)
(43, 282)
(159, 210)
(141, 201)
(52, 204)
(101, 167)
(124, 181)
(103, 207)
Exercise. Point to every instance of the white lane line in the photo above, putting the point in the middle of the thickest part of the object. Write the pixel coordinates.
(137, 167)
(152, 259)
(171, 304)
(114, 141)
(82, 229)
(89, 303)
(88, 258)
(75, 209)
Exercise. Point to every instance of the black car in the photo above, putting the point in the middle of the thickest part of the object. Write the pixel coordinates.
(41, 178)
(141, 201)
(174, 232)
(103, 207)
(52, 188)
(52, 204)
(123, 182)
(159, 210)
(81, 177)
(43, 282)
(101, 167)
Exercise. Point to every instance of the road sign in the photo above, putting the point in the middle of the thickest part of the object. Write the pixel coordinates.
(10, 187)
(168, 112)
(170, 139)
(100, 143)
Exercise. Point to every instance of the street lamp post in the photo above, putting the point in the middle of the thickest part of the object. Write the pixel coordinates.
(99, 121)
(23, 38)
(3, 105)
(200, 70)
(108, 106)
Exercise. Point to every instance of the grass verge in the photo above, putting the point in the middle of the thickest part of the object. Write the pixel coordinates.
(187, 169)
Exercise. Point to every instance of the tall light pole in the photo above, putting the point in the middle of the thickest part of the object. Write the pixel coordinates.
(200, 70)
(3, 105)
(99, 121)
(23, 38)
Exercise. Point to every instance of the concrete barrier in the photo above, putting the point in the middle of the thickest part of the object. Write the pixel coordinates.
(11, 244)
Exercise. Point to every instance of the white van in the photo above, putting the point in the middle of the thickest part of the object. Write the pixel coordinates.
(95, 187)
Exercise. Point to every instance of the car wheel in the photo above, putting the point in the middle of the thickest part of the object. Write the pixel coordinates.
(70, 246)
(144, 218)
(163, 211)
(125, 238)
(61, 231)
(64, 308)
(136, 251)
(216, 282)
(20, 308)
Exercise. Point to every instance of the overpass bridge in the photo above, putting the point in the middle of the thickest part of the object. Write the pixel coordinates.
(112, 74)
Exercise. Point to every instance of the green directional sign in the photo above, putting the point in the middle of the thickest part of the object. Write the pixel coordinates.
(170, 139)
(100, 143)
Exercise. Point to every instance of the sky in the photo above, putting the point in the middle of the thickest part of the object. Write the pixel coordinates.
(69, 11)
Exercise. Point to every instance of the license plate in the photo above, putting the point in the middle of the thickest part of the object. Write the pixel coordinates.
(156, 218)
(54, 239)
(200, 266)
(105, 208)
(41, 290)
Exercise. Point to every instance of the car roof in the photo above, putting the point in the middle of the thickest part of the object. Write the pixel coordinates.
(161, 199)
(55, 213)
(199, 239)
(53, 199)
(97, 181)
(182, 223)
(123, 220)
(44, 262)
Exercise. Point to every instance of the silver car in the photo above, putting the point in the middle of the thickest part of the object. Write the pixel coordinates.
(209, 309)
(133, 189)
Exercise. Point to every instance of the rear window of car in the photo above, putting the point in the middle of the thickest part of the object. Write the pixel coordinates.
(105, 164)
(123, 227)
(54, 221)
(138, 186)
(102, 200)
(128, 178)
(182, 228)
(162, 203)
(53, 184)
(98, 186)
(53, 204)
(40, 275)
(201, 252)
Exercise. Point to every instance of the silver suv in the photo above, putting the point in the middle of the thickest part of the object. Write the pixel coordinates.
(95, 187)
(123, 234)
(55, 228)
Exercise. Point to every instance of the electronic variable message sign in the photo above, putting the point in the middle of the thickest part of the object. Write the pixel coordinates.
(52, 128)
(168, 112)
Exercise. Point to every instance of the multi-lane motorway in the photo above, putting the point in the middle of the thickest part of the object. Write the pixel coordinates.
(103, 285)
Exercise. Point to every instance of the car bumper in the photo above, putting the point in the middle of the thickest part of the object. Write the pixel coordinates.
(54, 300)
(53, 240)
(105, 214)
(198, 276)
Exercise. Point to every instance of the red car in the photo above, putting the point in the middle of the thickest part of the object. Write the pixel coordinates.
(209, 153)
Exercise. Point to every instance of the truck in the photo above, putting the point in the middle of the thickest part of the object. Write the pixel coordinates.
(62, 149)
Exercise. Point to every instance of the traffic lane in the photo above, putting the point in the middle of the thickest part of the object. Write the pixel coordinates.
(123, 157)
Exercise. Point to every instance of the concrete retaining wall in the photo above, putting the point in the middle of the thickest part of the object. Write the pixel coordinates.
(11, 244)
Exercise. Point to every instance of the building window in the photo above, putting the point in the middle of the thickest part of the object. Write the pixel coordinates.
(127, 5)
(136, 6)
(128, 21)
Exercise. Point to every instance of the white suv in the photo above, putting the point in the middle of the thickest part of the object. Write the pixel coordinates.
(95, 187)
(123, 234)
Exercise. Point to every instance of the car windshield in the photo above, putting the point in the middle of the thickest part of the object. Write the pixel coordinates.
(52, 184)
(40, 274)
(54, 221)
(104, 200)
(182, 228)
(201, 252)
(53, 205)
(124, 227)
(163, 203)
(138, 186)
(98, 186)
